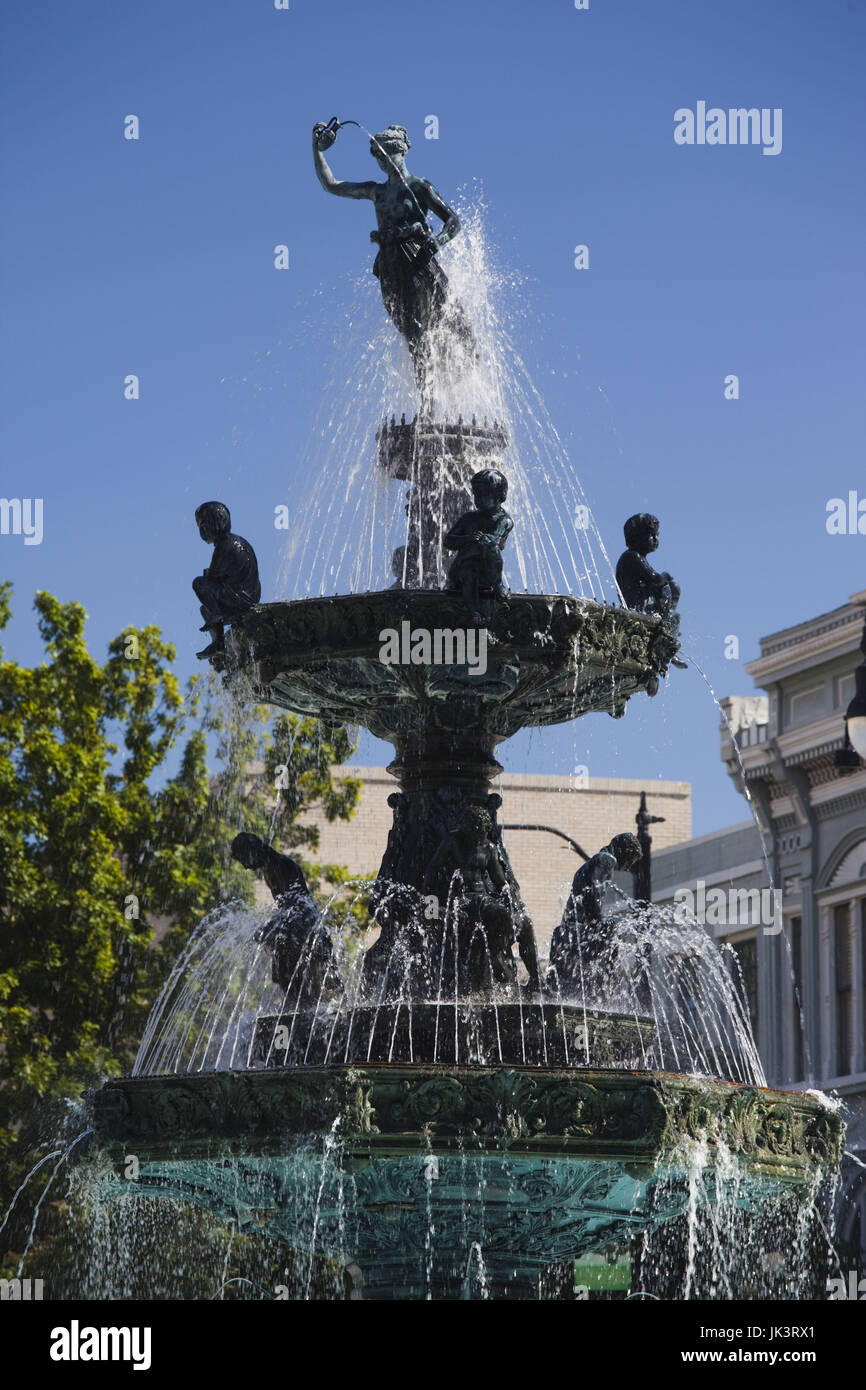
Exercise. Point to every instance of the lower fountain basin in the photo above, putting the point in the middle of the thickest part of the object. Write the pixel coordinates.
(448, 1182)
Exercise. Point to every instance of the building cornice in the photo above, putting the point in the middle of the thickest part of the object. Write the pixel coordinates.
(797, 648)
(842, 805)
(812, 741)
(812, 744)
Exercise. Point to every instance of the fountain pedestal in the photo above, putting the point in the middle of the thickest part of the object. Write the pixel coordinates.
(548, 659)
(437, 460)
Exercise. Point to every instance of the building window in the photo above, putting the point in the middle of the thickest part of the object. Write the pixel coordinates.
(844, 690)
(844, 992)
(746, 952)
(797, 967)
(807, 705)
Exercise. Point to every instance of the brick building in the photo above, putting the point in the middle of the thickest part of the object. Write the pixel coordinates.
(590, 813)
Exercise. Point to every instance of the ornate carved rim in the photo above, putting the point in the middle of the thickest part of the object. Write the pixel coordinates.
(550, 657)
(639, 1118)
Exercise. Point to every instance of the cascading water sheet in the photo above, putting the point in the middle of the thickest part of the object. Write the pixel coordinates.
(353, 519)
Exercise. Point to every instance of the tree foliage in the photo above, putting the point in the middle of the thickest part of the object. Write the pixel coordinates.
(114, 843)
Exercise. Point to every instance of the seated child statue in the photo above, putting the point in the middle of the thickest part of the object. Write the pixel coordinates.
(230, 584)
(479, 537)
(303, 961)
(578, 944)
(644, 589)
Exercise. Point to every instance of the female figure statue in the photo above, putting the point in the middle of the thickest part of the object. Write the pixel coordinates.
(414, 285)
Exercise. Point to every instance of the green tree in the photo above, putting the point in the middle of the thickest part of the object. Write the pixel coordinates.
(96, 861)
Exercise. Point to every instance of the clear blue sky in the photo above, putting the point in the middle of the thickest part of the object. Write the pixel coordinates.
(155, 257)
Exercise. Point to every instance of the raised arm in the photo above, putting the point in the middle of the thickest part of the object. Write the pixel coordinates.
(602, 866)
(340, 187)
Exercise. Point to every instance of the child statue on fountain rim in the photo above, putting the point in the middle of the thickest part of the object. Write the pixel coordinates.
(302, 955)
(479, 537)
(645, 589)
(230, 585)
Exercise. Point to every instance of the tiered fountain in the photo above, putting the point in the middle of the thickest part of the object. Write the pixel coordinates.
(447, 1120)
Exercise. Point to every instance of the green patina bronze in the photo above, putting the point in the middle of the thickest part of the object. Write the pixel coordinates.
(402, 1172)
(634, 1117)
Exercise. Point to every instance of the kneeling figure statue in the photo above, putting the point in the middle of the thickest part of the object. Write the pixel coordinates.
(580, 943)
(303, 963)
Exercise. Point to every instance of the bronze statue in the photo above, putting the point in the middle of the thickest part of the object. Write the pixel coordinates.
(578, 944)
(414, 285)
(230, 585)
(644, 589)
(479, 537)
(487, 923)
(303, 963)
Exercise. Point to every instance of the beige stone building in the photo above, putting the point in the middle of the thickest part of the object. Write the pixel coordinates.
(590, 813)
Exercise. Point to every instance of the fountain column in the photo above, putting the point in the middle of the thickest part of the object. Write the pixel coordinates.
(437, 460)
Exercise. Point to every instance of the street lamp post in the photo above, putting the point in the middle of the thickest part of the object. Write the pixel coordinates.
(642, 871)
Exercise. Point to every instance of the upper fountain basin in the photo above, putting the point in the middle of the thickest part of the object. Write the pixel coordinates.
(378, 658)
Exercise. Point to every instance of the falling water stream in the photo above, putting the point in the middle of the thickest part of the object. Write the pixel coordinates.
(354, 519)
